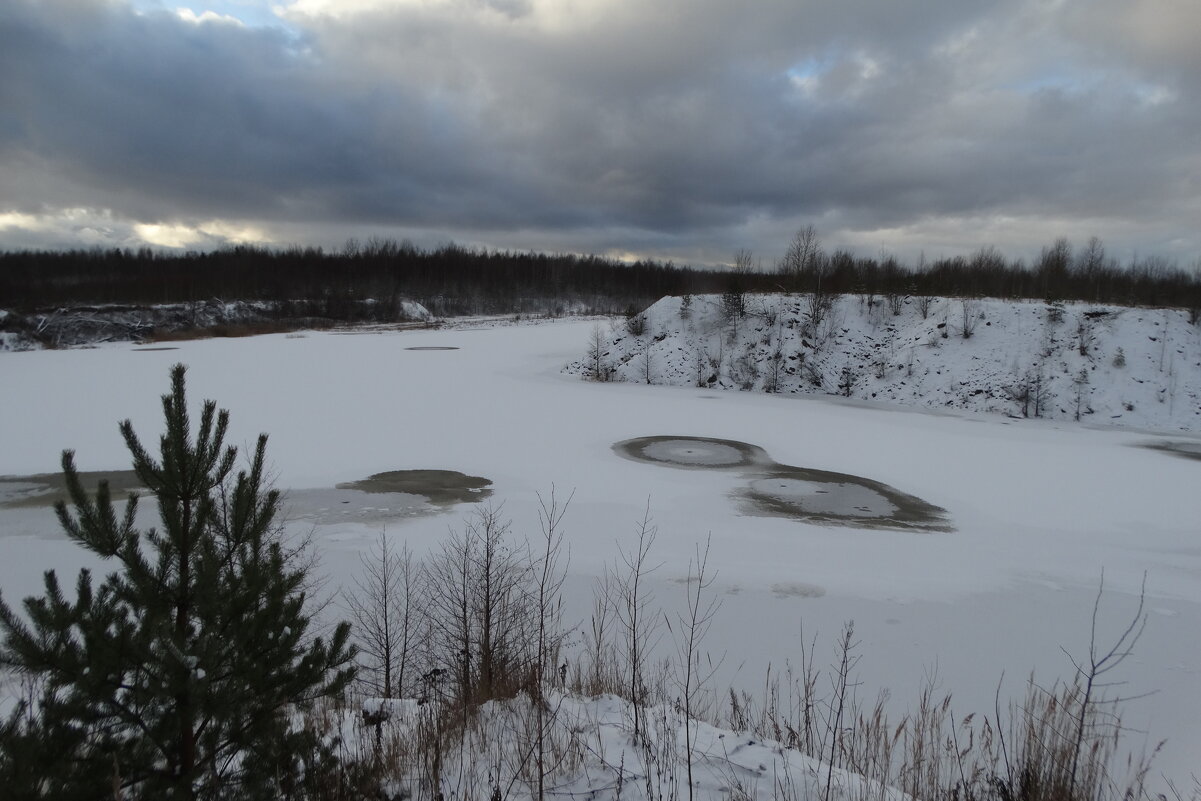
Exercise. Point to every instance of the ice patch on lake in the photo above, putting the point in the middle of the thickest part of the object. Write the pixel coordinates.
(691, 452)
(778, 490)
(839, 499)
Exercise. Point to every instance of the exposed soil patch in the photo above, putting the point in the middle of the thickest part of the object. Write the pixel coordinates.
(801, 493)
(438, 487)
(1183, 449)
(46, 489)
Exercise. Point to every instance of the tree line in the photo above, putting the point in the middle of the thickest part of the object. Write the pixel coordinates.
(449, 280)
(1061, 272)
(454, 280)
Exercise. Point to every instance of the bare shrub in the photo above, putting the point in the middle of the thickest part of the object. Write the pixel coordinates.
(923, 305)
(847, 379)
(1055, 311)
(1085, 335)
(817, 308)
(971, 315)
(895, 301)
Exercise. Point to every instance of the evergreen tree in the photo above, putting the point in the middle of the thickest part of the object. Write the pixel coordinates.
(176, 676)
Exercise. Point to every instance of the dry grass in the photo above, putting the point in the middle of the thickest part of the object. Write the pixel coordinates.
(507, 737)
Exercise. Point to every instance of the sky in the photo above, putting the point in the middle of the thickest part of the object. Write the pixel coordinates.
(672, 129)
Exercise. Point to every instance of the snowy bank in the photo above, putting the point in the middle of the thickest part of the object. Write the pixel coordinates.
(1108, 365)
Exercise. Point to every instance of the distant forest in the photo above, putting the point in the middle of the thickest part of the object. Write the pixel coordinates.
(453, 280)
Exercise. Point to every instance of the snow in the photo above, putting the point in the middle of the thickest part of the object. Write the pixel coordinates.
(596, 755)
(1038, 507)
(11, 340)
(412, 310)
(920, 361)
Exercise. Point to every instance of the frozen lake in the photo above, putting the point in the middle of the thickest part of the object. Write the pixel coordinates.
(1036, 510)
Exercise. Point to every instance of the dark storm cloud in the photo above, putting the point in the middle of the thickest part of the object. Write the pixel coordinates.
(686, 127)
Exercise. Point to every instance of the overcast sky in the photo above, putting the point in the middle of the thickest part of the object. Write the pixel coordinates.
(680, 129)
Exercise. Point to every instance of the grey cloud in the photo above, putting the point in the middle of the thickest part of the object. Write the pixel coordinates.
(664, 128)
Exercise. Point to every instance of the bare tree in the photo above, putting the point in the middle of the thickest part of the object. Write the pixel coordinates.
(1031, 390)
(847, 379)
(501, 607)
(1089, 265)
(692, 627)
(818, 306)
(744, 261)
(385, 617)
(648, 360)
(597, 345)
(1081, 384)
(1019, 392)
(550, 570)
(775, 365)
(1040, 389)
(841, 685)
(1052, 267)
(703, 365)
(449, 578)
(481, 609)
(632, 604)
(1091, 672)
(803, 257)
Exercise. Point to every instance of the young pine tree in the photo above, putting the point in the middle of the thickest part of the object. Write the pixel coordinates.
(174, 676)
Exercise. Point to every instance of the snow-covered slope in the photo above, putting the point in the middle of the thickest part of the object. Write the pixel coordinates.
(1132, 367)
(592, 752)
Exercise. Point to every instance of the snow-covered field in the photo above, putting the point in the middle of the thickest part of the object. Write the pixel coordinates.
(1039, 508)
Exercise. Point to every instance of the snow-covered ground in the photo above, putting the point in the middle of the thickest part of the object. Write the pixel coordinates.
(1105, 365)
(1039, 508)
(591, 754)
